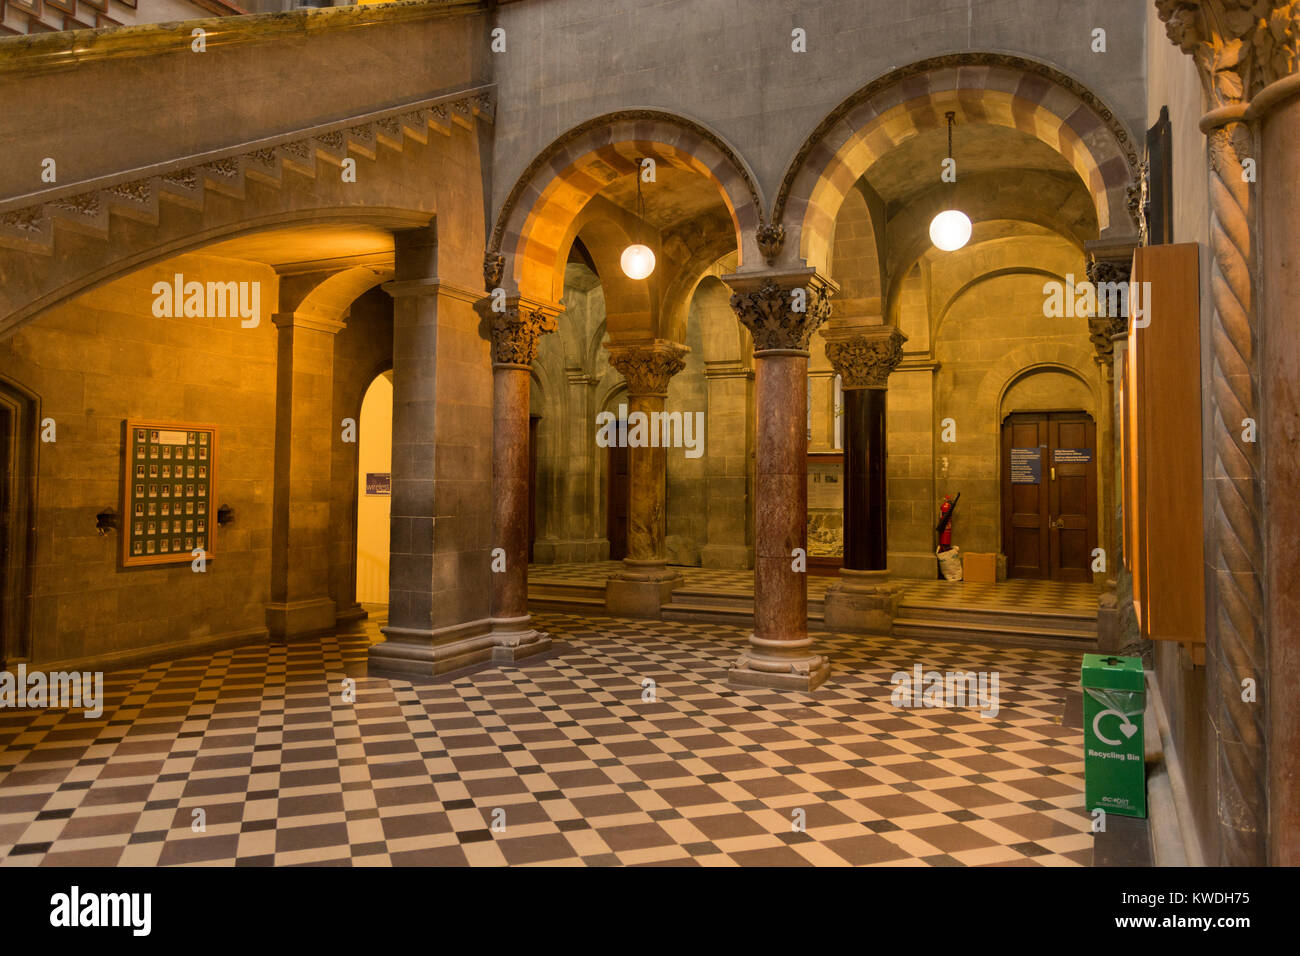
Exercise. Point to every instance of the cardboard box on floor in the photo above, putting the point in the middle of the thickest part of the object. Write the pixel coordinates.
(979, 568)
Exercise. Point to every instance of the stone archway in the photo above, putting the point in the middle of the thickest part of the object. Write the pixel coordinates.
(983, 88)
(527, 248)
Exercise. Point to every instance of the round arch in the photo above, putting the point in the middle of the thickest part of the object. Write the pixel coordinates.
(527, 247)
(986, 88)
(111, 262)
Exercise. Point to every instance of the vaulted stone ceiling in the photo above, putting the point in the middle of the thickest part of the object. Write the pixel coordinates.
(676, 195)
(914, 166)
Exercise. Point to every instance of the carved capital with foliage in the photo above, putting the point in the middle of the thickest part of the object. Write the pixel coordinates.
(648, 367)
(864, 358)
(1240, 46)
(516, 329)
(782, 310)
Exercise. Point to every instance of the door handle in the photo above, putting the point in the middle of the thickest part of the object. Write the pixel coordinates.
(1056, 522)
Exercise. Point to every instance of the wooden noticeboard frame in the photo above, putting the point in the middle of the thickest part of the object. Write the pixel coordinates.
(1163, 487)
(191, 449)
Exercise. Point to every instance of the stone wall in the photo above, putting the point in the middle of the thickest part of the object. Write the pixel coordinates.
(103, 358)
(733, 68)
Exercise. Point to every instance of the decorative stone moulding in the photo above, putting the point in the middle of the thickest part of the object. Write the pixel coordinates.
(27, 222)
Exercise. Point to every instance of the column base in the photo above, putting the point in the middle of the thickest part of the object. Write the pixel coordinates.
(865, 601)
(750, 670)
(641, 590)
(421, 652)
(289, 619)
(514, 640)
(351, 612)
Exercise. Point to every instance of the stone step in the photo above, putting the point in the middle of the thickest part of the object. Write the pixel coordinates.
(723, 607)
(944, 628)
(566, 596)
(1014, 618)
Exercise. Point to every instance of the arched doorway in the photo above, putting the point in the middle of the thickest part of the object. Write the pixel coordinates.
(1048, 465)
(374, 486)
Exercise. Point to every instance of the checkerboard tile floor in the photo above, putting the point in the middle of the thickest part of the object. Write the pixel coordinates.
(563, 751)
(1062, 596)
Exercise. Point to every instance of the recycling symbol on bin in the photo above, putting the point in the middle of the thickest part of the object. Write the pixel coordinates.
(1114, 706)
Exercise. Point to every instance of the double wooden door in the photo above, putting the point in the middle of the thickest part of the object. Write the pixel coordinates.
(1049, 495)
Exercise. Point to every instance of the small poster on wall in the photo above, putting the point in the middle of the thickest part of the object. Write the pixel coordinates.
(379, 483)
(153, 453)
(1026, 466)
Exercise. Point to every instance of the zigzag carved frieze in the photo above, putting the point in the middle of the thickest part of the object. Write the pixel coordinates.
(27, 223)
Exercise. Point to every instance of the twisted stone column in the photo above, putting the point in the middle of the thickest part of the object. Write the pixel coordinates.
(1238, 52)
(781, 311)
(863, 599)
(514, 333)
(645, 584)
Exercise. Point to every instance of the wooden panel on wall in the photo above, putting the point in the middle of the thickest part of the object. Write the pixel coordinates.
(1163, 435)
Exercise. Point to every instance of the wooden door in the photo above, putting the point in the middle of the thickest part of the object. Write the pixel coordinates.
(617, 502)
(1024, 498)
(1072, 496)
(1049, 495)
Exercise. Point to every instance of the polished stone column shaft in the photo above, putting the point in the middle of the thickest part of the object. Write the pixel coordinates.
(514, 334)
(781, 311)
(645, 584)
(865, 518)
(510, 388)
(781, 499)
(864, 599)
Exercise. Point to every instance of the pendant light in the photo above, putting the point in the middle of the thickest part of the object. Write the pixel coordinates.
(638, 259)
(950, 229)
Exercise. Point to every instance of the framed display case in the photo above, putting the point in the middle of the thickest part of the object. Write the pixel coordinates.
(169, 488)
(825, 510)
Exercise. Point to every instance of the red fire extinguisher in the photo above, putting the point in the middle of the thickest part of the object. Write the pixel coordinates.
(945, 521)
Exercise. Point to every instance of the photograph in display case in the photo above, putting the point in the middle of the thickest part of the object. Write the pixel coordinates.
(162, 444)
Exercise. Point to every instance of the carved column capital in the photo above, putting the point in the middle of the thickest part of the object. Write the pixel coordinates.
(781, 310)
(515, 330)
(865, 357)
(1240, 46)
(1105, 267)
(648, 367)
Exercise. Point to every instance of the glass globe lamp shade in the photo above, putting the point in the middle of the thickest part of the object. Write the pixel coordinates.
(950, 230)
(637, 261)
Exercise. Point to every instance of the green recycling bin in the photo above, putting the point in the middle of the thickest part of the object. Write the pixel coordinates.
(1114, 762)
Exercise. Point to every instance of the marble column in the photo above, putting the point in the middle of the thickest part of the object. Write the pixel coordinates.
(864, 599)
(646, 583)
(781, 311)
(514, 334)
(304, 431)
